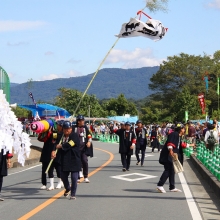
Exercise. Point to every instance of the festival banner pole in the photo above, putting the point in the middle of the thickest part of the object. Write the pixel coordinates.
(95, 74)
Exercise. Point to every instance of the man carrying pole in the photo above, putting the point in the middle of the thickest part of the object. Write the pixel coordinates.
(70, 158)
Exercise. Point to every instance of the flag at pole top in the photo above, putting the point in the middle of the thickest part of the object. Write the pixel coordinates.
(152, 29)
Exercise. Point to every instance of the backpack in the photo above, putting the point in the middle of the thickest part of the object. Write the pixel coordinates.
(211, 139)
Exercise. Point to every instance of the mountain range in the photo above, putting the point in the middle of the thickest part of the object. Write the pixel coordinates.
(109, 83)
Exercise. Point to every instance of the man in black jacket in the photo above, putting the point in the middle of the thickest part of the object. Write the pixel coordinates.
(81, 130)
(70, 158)
(141, 143)
(127, 143)
(173, 145)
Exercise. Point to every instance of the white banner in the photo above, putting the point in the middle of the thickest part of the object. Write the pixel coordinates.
(152, 29)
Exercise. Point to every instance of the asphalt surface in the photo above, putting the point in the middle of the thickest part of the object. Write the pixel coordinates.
(108, 196)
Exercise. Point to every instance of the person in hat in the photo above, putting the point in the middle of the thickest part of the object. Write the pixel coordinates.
(47, 138)
(70, 159)
(85, 145)
(127, 143)
(141, 142)
(5, 163)
(174, 144)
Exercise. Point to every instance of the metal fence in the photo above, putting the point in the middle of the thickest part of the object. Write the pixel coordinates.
(5, 83)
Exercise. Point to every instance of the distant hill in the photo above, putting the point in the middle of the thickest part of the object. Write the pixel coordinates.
(109, 83)
(14, 84)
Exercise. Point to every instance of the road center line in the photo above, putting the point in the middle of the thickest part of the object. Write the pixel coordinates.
(189, 198)
(58, 195)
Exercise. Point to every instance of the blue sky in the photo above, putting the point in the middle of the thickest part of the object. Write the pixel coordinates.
(47, 39)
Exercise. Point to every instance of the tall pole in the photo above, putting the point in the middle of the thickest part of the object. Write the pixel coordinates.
(89, 114)
(78, 105)
(218, 91)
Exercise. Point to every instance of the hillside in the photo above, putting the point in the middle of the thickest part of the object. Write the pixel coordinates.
(107, 84)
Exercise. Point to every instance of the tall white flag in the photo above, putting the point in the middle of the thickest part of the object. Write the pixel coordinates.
(152, 29)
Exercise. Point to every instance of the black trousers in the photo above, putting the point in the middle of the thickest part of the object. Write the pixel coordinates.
(1, 182)
(57, 167)
(85, 166)
(74, 178)
(168, 173)
(44, 175)
(126, 160)
(137, 151)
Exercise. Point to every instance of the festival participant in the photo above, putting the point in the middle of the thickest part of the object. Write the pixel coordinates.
(5, 163)
(127, 143)
(57, 161)
(173, 145)
(141, 143)
(85, 145)
(45, 158)
(154, 141)
(70, 158)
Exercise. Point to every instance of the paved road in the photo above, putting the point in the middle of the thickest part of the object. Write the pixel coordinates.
(109, 195)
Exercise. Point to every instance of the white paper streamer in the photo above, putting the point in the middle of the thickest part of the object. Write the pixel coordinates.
(12, 136)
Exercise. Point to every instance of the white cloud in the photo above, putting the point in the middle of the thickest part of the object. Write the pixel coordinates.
(16, 44)
(214, 4)
(20, 25)
(11, 75)
(71, 73)
(73, 61)
(133, 59)
(50, 77)
(74, 73)
(48, 53)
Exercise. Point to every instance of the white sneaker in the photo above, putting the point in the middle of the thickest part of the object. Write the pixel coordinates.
(50, 188)
(78, 181)
(161, 189)
(1, 198)
(175, 190)
(43, 187)
(86, 180)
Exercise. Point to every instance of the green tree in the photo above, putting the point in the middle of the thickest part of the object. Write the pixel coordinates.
(21, 112)
(157, 5)
(69, 98)
(180, 80)
(119, 106)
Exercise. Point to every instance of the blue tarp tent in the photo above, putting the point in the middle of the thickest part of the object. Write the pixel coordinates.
(131, 119)
(46, 110)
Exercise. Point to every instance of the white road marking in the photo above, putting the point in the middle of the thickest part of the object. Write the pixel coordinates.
(123, 177)
(146, 155)
(25, 170)
(189, 198)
